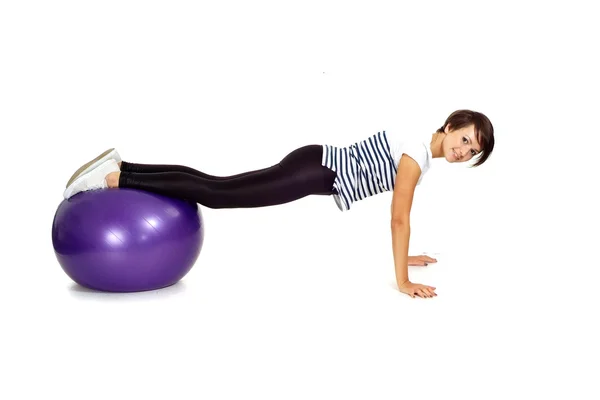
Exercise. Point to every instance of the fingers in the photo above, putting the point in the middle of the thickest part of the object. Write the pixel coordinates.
(418, 290)
(424, 260)
(425, 291)
(430, 290)
(424, 294)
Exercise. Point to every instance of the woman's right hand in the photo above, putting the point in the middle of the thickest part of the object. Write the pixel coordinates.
(416, 289)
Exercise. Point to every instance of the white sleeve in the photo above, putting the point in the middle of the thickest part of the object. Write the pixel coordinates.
(417, 151)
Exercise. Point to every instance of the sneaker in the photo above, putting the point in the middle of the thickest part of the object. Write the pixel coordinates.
(87, 167)
(92, 180)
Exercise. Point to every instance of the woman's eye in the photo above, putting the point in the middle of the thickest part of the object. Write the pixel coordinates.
(465, 140)
(473, 152)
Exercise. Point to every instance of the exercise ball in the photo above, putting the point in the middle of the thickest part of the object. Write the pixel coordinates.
(126, 240)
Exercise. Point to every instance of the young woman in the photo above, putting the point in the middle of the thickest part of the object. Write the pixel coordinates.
(380, 163)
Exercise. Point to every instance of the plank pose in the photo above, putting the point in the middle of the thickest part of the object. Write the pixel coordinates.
(380, 163)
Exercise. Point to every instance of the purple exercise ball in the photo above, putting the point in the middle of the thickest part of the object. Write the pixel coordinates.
(126, 240)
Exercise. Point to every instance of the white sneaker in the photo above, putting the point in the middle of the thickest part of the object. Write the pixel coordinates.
(87, 167)
(92, 180)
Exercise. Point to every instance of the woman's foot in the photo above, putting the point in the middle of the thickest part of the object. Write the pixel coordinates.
(87, 167)
(94, 179)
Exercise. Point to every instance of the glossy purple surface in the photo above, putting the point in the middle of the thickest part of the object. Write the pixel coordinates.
(126, 240)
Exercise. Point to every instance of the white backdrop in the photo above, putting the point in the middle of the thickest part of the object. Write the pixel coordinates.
(299, 301)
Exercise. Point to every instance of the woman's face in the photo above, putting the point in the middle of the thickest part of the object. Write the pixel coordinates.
(460, 145)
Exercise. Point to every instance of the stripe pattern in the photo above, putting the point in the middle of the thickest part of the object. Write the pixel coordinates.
(363, 169)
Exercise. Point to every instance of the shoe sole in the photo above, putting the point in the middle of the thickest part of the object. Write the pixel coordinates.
(86, 165)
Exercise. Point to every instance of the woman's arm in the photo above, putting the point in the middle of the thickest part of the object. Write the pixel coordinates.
(404, 190)
(400, 239)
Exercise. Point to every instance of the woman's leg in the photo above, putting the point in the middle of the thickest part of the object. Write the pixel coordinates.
(154, 168)
(298, 175)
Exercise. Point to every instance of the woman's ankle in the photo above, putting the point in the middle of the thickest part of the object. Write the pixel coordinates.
(112, 179)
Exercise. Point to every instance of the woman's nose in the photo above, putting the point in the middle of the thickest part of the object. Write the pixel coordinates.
(465, 150)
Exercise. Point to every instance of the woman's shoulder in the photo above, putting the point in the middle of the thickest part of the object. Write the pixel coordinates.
(401, 139)
(413, 144)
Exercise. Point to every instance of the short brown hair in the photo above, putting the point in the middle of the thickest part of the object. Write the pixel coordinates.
(484, 130)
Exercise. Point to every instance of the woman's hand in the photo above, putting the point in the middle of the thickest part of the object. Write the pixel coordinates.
(416, 289)
(420, 260)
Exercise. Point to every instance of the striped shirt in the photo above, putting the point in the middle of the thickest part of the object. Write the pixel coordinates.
(369, 167)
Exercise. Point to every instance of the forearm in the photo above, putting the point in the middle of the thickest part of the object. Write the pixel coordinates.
(400, 240)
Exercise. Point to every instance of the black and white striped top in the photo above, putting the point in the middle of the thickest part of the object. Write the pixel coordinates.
(369, 167)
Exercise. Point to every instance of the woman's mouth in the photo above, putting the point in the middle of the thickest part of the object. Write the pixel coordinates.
(455, 155)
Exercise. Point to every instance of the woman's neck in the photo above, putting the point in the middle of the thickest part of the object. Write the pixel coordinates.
(436, 145)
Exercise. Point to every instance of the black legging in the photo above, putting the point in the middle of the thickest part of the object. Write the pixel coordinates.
(298, 175)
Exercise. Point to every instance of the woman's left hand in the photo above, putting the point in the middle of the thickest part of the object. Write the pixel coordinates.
(420, 261)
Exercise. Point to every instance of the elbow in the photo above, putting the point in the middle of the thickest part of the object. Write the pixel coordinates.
(398, 221)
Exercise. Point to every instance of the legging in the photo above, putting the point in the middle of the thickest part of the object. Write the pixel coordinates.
(298, 175)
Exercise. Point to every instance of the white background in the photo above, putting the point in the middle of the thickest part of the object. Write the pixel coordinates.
(299, 301)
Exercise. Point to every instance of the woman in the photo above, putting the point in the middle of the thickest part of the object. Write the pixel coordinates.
(378, 164)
